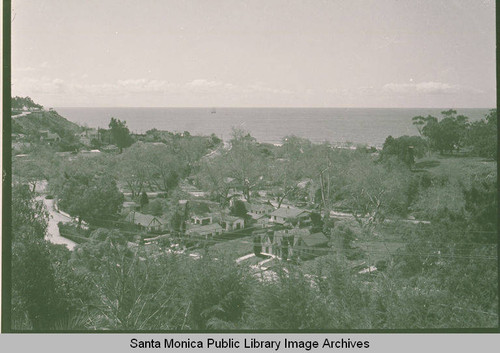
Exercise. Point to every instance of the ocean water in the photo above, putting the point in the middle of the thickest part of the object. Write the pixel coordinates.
(337, 125)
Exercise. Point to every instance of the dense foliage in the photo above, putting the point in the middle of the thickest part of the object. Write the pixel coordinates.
(428, 222)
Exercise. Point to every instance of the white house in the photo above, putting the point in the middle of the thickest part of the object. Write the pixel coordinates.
(284, 215)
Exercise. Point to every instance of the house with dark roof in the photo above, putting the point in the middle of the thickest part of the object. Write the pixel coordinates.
(312, 245)
(288, 214)
(147, 222)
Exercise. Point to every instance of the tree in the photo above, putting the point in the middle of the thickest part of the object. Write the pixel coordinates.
(244, 163)
(144, 199)
(445, 135)
(216, 292)
(20, 102)
(156, 167)
(34, 289)
(288, 171)
(131, 290)
(373, 191)
(93, 199)
(257, 245)
(120, 133)
(156, 208)
(483, 136)
(212, 177)
(239, 209)
(406, 148)
(40, 165)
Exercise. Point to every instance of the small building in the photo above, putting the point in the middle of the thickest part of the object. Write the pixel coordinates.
(201, 220)
(207, 231)
(261, 220)
(281, 243)
(145, 221)
(312, 245)
(288, 214)
(230, 223)
(259, 209)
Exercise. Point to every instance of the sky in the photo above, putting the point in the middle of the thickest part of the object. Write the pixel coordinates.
(259, 53)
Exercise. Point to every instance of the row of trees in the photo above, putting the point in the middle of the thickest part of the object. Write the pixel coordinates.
(18, 103)
(301, 171)
(453, 132)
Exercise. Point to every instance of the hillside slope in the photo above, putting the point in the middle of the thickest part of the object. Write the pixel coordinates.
(34, 122)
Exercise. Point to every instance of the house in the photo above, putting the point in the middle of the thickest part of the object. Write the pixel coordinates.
(287, 214)
(230, 223)
(145, 221)
(261, 220)
(201, 220)
(206, 231)
(281, 243)
(259, 209)
(312, 245)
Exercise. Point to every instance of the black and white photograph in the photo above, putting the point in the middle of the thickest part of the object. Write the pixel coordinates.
(250, 166)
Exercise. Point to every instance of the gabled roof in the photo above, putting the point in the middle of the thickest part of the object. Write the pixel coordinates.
(258, 216)
(231, 219)
(141, 219)
(288, 212)
(315, 239)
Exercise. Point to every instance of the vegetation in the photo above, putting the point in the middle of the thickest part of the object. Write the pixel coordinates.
(18, 103)
(424, 216)
(120, 133)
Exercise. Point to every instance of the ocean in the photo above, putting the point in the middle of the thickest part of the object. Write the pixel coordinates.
(337, 125)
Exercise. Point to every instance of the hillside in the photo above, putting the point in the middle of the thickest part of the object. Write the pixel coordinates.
(32, 123)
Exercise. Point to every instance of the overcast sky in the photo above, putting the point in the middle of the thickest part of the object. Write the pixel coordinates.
(282, 53)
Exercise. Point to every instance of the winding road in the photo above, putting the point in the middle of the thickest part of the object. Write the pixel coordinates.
(55, 217)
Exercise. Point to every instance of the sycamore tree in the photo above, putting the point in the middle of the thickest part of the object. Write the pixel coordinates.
(288, 169)
(375, 191)
(244, 164)
(213, 177)
(38, 166)
(152, 166)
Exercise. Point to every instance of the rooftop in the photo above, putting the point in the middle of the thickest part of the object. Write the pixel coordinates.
(142, 219)
(288, 212)
(315, 239)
